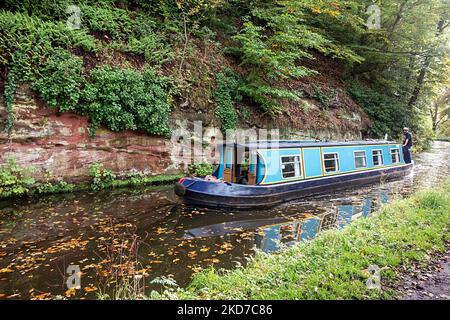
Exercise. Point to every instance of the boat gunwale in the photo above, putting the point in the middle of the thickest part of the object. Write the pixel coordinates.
(312, 190)
(266, 187)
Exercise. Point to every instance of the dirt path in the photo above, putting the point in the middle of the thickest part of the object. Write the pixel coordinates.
(430, 284)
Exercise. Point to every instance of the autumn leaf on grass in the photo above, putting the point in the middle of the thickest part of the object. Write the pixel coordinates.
(204, 249)
(6, 270)
(175, 260)
(2, 295)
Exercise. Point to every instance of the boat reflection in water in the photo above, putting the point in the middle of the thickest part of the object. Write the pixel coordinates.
(275, 232)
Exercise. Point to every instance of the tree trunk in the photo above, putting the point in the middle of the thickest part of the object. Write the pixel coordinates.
(370, 66)
(424, 69)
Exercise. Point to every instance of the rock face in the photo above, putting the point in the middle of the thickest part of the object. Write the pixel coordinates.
(59, 144)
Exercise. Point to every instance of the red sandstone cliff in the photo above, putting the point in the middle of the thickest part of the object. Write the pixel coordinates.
(59, 144)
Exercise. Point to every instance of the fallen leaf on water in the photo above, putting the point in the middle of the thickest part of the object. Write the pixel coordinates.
(70, 292)
(161, 230)
(89, 289)
(156, 261)
(192, 254)
(41, 296)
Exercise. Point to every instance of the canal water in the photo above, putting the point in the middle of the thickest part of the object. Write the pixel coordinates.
(108, 233)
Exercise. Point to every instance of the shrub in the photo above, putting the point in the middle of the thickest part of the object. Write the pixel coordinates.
(423, 135)
(55, 187)
(37, 38)
(136, 178)
(389, 115)
(200, 169)
(320, 96)
(25, 43)
(113, 21)
(127, 99)
(226, 94)
(15, 180)
(60, 81)
(101, 177)
(151, 46)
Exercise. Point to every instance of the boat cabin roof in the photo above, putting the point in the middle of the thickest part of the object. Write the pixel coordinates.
(307, 143)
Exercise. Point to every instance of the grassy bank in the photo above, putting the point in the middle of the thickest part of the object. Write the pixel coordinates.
(335, 264)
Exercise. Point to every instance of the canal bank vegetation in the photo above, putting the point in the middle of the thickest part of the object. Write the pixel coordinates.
(339, 264)
(300, 63)
(17, 181)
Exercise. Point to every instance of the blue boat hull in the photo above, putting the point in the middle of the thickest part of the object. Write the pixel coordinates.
(200, 192)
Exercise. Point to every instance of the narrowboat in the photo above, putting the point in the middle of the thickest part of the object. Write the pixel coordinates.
(268, 173)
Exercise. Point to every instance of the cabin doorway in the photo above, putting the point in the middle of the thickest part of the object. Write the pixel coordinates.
(228, 161)
(246, 168)
(253, 158)
(239, 166)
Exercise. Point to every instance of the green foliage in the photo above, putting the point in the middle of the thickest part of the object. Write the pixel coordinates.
(321, 96)
(152, 46)
(101, 177)
(25, 42)
(200, 169)
(11, 84)
(43, 9)
(274, 42)
(389, 115)
(61, 80)
(55, 187)
(273, 49)
(120, 99)
(423, 135)
(37, 39)
(136, 178)
(226, 94)
(245, 113)
(127, 99)
(15, 180)
(113, 21)
(140, 179)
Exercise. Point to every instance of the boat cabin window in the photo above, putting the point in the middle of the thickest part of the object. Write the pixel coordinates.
(360, 159)
(331, 162)
(290, 167)
(395, 155)
(377, 156)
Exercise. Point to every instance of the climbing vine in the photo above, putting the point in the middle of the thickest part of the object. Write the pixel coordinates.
(9, 92)
(226, 94)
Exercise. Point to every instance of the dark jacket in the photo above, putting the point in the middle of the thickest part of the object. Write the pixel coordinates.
(409, 137)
